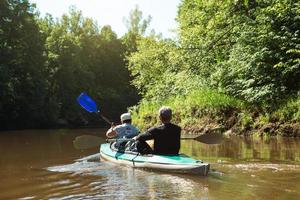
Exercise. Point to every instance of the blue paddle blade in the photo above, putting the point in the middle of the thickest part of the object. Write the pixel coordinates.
(87, 102)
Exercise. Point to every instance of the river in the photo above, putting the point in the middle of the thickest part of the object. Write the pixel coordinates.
(41, 164)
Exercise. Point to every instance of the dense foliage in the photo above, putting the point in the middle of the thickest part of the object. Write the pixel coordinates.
(239, 59)
(249, 50)
(80, 57)
(189, 110)
(46, 63)
(22, 72)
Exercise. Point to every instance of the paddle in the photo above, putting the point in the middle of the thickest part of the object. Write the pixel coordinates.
(214, 137)
(87, 141)
(90, 141)
(90, 105)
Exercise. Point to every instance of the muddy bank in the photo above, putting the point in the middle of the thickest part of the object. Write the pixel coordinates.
(236, 125)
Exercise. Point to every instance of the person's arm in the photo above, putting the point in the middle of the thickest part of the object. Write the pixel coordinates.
(148, 135)
(111, 133)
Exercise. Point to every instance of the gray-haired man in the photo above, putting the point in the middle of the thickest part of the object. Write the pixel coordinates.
(166, 136)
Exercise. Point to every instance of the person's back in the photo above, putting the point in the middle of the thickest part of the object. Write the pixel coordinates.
(166, 139)
(166, 136)
(126, 130)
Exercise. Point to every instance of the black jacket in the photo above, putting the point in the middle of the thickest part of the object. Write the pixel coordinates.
(166, 138)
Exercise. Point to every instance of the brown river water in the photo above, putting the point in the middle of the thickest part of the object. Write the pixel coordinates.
(43, 164)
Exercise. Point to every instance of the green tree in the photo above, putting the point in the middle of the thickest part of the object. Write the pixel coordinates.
(159, 69)
(136, 27)
(83, 57)
(22, 74)
(265, 62)
(248, 49)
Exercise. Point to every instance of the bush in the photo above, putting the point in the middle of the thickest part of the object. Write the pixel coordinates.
(186, 109)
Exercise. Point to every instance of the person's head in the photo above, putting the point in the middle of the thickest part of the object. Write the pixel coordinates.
(165, 114)
(126, 118)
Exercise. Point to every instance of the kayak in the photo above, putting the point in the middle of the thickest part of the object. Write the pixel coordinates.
(172, 163)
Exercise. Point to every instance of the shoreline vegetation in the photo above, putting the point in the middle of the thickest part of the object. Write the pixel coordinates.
(234, 67)
(205, 111)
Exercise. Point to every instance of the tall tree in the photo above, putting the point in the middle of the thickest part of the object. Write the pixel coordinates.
(83, 57)
(264, 63)
(22, 82)
(246, 48)
(136, 27)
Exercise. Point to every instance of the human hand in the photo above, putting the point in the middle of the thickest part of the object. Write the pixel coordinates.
(134, 138)
(112, 125)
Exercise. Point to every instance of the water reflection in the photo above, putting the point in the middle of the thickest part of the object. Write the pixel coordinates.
(45, 165)
(246, 149)
(120, 182)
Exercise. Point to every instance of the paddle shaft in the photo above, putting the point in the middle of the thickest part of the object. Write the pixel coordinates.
(89, 141)
(104, 118)
(119, 140)
(90, 105)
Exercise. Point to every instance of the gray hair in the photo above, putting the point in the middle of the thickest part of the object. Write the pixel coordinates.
(165, 113)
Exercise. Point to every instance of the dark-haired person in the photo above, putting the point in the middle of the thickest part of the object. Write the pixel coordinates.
(166, 136)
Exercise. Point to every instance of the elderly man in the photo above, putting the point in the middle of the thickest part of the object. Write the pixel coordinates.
(166, 136)
(125, 130)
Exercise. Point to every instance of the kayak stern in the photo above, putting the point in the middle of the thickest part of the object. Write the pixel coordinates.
(175, 163)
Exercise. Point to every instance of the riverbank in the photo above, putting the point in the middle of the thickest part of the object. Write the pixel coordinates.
(205, 110)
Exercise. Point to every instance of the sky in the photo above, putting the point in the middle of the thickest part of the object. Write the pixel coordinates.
(112, 12)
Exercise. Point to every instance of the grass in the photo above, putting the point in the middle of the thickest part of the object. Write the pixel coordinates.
(211, 109)
(289, 111)
(186, 109)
